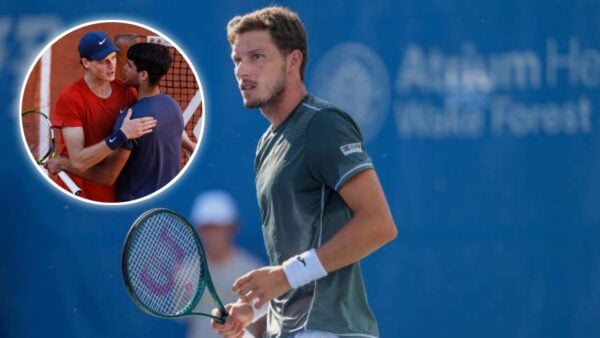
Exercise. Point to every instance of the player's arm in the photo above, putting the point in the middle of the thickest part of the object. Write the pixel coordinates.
(82, 158)
(99, 162)
(105, 172)
(187, 144)
(370, 227)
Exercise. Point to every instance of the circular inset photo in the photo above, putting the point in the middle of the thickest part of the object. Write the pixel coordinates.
(111, 112)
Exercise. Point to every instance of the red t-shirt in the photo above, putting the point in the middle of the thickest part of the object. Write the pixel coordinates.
(78, 106)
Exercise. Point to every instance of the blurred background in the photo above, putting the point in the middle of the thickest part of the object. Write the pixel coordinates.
(481, 118)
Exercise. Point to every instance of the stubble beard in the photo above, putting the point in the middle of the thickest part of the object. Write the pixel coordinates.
(131, 81)
(275, 94)
(133, 84)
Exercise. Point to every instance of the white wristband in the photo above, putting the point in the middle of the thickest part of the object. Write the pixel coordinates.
(259, 312)
(303, 269)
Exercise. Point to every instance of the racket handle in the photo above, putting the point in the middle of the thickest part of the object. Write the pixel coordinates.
(222, 319)
(69, 182)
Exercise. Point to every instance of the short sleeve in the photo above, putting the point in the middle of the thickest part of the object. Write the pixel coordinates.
(118, 123)
(68, 111)
(120, 119)
(334, 148)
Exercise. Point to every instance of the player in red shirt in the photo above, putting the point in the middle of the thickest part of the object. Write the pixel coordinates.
(87, 110)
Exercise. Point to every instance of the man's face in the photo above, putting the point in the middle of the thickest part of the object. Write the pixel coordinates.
(130, 74)
(260, 69)
(105, 69)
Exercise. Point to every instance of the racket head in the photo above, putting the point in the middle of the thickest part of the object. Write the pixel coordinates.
(163, 264)
(39, 134)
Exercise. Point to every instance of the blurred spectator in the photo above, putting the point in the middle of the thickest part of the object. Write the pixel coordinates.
(215, 216)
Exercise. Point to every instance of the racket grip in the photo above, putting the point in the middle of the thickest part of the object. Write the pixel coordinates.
(223, 318)
(69, 182)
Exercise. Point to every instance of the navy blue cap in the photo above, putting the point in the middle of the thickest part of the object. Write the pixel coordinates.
(96, 46)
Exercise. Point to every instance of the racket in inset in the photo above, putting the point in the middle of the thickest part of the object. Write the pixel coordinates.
(164, 266)
(39, 135)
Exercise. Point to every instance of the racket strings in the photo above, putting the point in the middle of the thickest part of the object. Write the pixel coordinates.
(163, 265)
(38, 134)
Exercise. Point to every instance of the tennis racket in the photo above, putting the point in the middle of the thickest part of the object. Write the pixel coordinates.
(164, 266)
(39, 135)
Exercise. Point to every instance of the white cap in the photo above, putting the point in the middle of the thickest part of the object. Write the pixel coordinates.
(215, 207)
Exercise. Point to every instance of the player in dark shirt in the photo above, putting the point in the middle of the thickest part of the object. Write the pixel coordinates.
(155, 157)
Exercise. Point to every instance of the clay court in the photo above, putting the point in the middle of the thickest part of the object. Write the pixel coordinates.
(59, 66)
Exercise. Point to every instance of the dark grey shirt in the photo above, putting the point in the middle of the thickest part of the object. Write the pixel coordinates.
(300, 168)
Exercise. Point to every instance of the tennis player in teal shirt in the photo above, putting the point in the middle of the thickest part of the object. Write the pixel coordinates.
(322, 206)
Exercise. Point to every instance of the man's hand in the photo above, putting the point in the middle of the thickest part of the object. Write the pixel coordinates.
(137, 127)
(187, 144)
(240, 316)
(55, 164)
(262, 285)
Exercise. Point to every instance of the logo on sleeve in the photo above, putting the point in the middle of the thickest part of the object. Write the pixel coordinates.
(351, 148)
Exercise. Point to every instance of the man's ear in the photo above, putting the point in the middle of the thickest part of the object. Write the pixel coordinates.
(85, 63)
(143, 75)
(294, 60)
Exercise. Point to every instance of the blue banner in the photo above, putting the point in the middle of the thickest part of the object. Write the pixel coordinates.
(482, 119)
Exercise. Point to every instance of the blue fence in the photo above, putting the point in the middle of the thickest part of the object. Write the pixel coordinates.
(482, 119)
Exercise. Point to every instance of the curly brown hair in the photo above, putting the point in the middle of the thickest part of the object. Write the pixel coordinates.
(285, 27)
